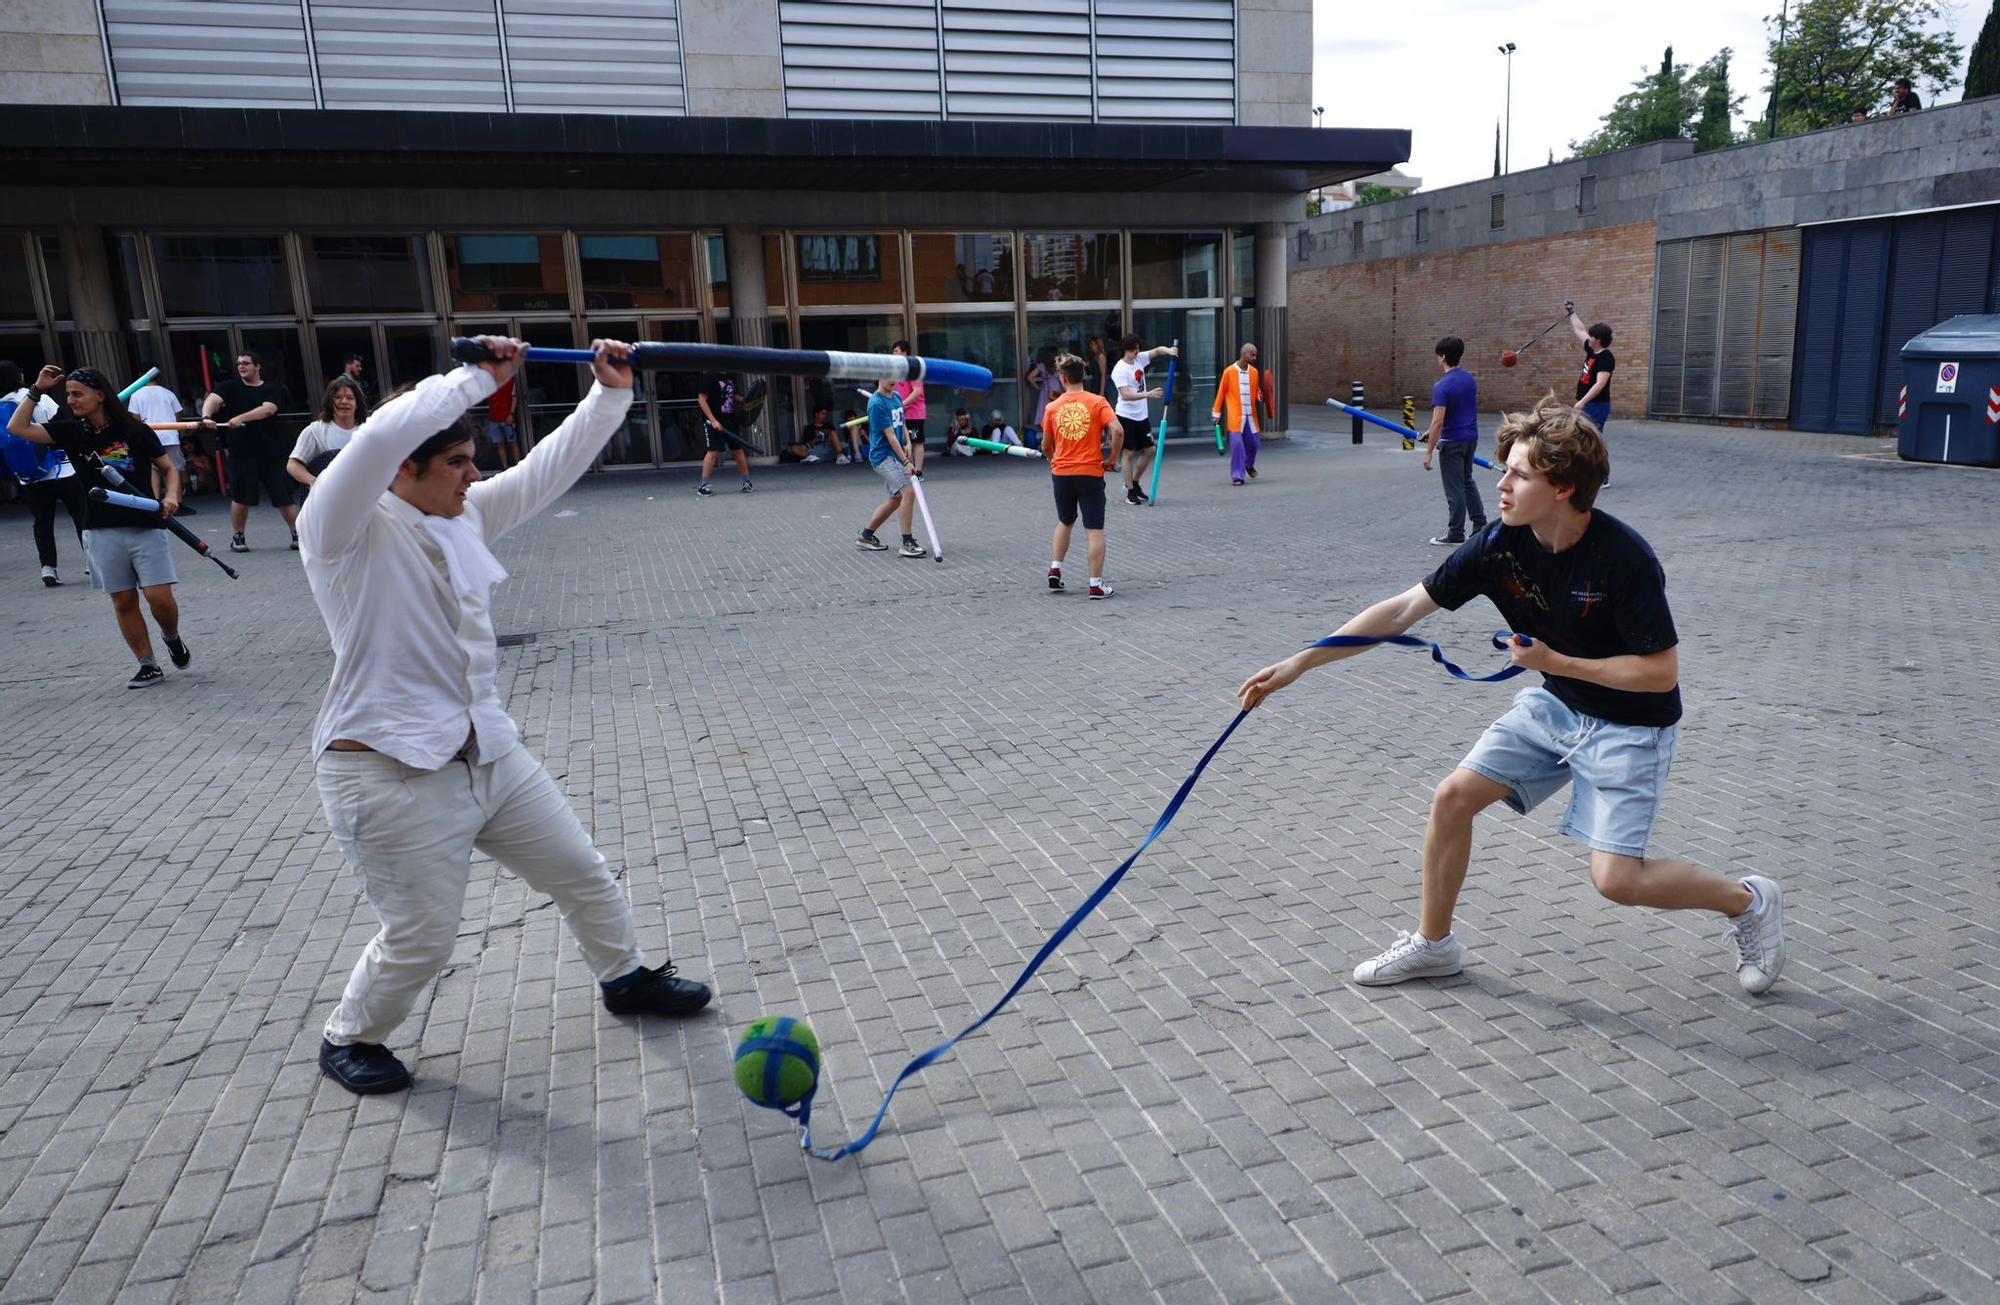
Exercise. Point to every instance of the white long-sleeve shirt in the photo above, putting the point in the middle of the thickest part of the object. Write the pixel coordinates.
(414, 661)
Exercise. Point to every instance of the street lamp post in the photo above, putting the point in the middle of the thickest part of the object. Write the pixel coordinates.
(1319, 116)
(1508, 50)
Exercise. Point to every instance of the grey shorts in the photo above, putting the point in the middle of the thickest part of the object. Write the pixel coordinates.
(175, 456)
(895, 474)
(1619, 771)
(129, 557)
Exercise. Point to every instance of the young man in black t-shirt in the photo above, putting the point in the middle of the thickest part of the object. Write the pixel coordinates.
(129, 551)
(244, 409)
(1593, 383)
(1590, 597)
(721, 413)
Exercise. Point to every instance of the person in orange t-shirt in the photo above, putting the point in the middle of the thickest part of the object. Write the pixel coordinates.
(1073, 427)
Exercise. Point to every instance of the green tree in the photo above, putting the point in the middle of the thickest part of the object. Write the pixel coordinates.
(1843, 55)
(1982, 70)
(1374, 195)
(1658, 107)
(1718, 106)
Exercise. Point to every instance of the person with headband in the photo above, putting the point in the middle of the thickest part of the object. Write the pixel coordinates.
(418, 762)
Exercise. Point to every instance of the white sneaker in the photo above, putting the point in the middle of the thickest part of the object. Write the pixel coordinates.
(1412, 956)
(1760, 937)
(811, 457)
(50, 579)
(842, 460)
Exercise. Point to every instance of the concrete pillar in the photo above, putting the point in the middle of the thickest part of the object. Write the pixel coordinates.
(750, 308)
(100, 335)
(1271, 338)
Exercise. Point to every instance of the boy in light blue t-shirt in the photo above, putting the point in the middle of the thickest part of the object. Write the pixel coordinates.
(889, 455)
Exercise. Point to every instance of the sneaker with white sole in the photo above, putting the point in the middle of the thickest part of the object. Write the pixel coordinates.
(50, 580)
(1412, 956)
(810, 457)
(1055, 578)
(237, 544)
(911, 548)
(868, 541)
(843, 460)
(1760, 936)
(1102, 591)
(147, 677)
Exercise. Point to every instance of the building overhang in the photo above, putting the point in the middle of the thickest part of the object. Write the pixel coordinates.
(144, 146)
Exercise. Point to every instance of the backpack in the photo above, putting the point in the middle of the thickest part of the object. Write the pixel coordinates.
(26, 460)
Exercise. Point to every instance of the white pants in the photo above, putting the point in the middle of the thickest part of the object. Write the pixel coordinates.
(411, 833)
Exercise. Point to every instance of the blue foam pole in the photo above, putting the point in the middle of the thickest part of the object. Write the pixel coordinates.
(833, 364)
(1404, 431)
(1166, 411)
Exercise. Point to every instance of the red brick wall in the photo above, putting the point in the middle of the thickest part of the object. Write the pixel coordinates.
(1377, 322)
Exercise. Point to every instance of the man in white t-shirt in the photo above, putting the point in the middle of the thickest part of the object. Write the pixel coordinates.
(1129, 375)
(156, 405)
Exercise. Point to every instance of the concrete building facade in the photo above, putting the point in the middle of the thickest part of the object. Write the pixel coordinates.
(991, 184)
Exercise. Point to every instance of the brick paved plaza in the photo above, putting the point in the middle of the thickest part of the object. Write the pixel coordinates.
(862, 790)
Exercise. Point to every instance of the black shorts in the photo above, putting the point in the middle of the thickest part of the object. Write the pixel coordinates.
(720, 441)
(914, 431)
(248, 472)
(1138, 433)
(1080, 492)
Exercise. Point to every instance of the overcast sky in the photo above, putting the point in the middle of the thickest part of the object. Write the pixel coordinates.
(1434, 67)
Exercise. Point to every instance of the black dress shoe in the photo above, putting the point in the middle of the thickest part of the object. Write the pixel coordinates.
(656, 992)
(364, 1068)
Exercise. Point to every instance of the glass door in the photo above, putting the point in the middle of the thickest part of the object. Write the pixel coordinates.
(678, 416)
(632, 444)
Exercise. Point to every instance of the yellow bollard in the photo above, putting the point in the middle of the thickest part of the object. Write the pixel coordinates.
(1409, 419)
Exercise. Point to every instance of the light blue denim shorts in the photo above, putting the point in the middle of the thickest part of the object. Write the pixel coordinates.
(1619, 771)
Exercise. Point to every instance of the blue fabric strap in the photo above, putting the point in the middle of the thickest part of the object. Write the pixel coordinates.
(803, 1110)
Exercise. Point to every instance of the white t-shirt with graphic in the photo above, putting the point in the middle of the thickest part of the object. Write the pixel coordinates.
(1132, 376)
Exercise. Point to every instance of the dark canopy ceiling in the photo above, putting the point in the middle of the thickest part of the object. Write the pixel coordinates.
(152, 146)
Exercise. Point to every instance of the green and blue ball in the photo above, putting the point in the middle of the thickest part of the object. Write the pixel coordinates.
(777, 1062)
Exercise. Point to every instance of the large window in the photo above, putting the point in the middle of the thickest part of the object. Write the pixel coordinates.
(222, 276)
(637, 272)
(509, 273)
(1199, 369)
(953, 268)
(1091, 335)
(849, 267)
(368, 274)
(1070, 267)
(985, 339)
(774, 271)
(852, 333)
(1176, 266)
(17, 294)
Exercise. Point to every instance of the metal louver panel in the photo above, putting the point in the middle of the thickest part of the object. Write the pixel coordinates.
(872, 60)
(1966, 261)
(398, 54)
(1166, 60)
(1825, 262)
(1013, 61)
(1860, 328)
(1669, 326)
(1703, 312)
(568, 58)
(1736, 369)
(210, 53)
(1911, 306)
(1777, 315)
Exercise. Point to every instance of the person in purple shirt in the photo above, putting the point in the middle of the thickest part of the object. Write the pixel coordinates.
(1455, 427)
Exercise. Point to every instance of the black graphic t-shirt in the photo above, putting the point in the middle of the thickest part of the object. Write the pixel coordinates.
(722, 401)
(1593, 364)
(1604, 596)
(130, 450)
(257, 439)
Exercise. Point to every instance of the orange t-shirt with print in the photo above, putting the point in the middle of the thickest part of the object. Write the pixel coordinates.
(1073, 433)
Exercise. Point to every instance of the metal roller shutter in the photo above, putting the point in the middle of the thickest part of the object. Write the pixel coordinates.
(1966, 262)
(566, 58)
(1166, 60)
(210, 53)
(397, 54)
(1825, 262)
(1861, 328)
(1704, 310)
(1669, 325)
(1742, 284)
(873, 60)
(1011, 61)
(1912, 303)
(1777, 314)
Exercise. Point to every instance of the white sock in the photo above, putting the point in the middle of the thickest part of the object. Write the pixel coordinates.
(1097, 580)
(1055, 566)
(1756, 898)
(1442, 942)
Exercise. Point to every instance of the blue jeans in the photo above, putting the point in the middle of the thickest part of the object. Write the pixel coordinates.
(1599, 414)
(1461, 492)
